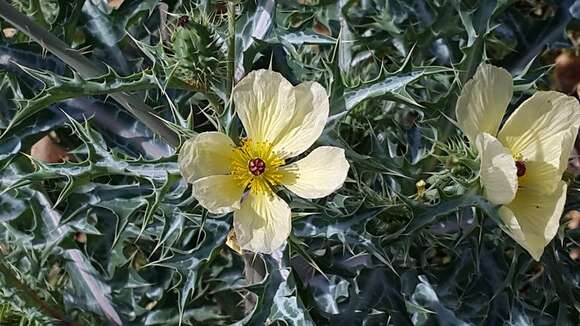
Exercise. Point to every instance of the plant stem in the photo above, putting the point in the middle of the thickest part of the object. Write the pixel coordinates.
(231, 46)
(28, 295)
(86, 68)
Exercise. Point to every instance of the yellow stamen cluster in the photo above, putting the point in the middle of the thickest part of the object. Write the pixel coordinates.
(251, 150)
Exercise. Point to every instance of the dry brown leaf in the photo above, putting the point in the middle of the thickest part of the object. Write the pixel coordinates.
(80, 237)
(151, 305)
(574, 219)
(575, 254)
(46, 149)
(321, 29)
(567, 72)
(233, 243)
(9, 32)
(115, 4)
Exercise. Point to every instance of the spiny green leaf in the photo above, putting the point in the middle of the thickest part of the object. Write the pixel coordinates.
(388, 87)
(59, 88)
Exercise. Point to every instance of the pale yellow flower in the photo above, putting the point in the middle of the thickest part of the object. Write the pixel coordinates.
(281, 122)
(521, 164)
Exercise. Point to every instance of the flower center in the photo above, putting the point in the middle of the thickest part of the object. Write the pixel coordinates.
(521, 168)
(255, 166)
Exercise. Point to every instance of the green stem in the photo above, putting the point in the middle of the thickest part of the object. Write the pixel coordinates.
(87, 69)
(231, 46)
(227, 115)
(28, 295)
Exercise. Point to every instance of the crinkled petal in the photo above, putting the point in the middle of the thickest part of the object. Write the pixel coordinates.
(308, 121)
(265, 103)
(317, 175)
(498, 171)
(533, 218)
(208, 153)
(219, 194)
(263, 223)
(541, 176)
(483, 101)
(543, 130)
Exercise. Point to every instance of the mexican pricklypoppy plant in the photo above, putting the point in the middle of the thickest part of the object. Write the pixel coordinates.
(281, 122)
(522, 163)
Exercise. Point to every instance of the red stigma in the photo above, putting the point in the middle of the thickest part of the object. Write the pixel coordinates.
(521, 168)
(257, 166)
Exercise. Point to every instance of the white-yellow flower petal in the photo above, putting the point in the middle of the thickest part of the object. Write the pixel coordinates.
(265, 103)
(263, 222)
(308, 121)
(317, 175)
(483, 101)
(533, 218)
(206, 154)
(498, 173)
(543, 130)
(540, 175)
(219, 194)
